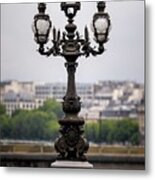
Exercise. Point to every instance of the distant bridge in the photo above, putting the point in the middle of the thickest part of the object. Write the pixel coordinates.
(36, 154)
(99, 161)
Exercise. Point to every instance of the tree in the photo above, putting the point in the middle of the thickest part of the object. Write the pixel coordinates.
(2, 110)
(32, 125)
(52, 106)
(5, 127)
(38, 124)
(113, 131)
(135, 138)
(4, 123)
(90, 131)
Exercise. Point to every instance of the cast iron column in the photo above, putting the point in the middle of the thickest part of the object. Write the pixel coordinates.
(71, 145)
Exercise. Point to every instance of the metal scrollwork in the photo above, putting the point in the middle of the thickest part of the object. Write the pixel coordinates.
(71, 145)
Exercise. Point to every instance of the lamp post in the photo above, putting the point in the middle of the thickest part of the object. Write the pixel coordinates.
(71, 145)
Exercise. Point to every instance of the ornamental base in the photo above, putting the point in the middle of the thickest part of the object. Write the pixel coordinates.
(72, 164)
(71, 145)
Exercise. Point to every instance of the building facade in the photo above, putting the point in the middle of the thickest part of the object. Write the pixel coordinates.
(105, 99)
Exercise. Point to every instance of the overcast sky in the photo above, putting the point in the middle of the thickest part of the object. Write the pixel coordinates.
(122, 60)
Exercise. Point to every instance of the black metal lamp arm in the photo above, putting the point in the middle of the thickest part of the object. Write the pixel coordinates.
(86, 50)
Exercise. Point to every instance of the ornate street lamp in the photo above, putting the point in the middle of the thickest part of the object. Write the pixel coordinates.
(71, 145)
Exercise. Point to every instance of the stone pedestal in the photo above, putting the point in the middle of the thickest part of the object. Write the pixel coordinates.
(72, 164)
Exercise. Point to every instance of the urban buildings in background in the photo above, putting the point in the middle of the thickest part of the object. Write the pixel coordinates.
(102, 100)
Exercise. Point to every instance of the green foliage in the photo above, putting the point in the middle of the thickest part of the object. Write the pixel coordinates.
(90, 130)
(4, 123)
(5, 127)
(2, 109)
(30, 125)
(135, 139)
(52, 106)
(113, 131)
(39, 124)
(42, 124)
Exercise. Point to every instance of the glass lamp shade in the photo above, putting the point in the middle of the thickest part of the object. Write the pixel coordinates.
(41, 29)
(43, 26)
(101, 25)
(101, 37)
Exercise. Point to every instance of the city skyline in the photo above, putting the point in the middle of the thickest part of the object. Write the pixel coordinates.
(94, 97)
(123, 59)
(65, 82)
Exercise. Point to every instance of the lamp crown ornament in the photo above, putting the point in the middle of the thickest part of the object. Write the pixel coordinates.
(41, 7)
(101, 6)
(71, 145)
